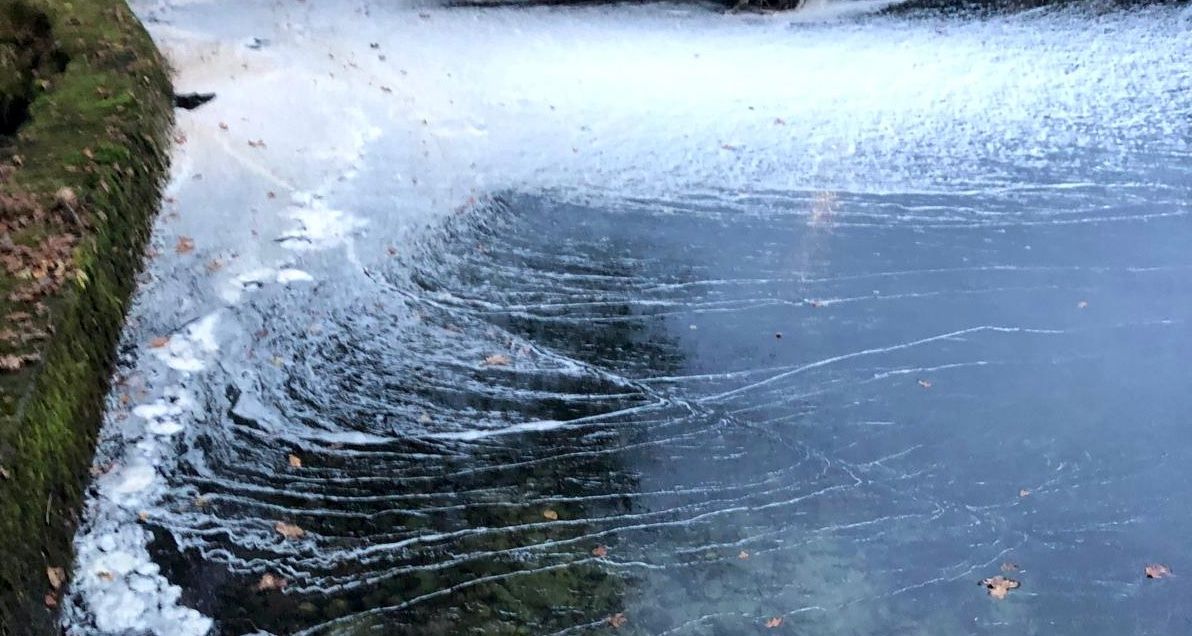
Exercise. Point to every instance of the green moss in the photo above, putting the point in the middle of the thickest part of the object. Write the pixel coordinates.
(98, 124)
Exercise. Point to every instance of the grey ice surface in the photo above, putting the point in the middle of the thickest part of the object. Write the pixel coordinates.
(707, 320)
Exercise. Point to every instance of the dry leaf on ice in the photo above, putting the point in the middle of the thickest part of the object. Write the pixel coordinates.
(288, 530)
(1157, 571)
(497, 360)
(999, 586)
(271, 582)
(744, 554)
(774, 622)
(295, 462)
(185, 244)
(600, 551)
(159, 342)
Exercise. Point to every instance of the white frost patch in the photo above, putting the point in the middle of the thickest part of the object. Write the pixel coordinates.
(187, 352)
(116, 584)
(287, 276)
(126, 591)
(524, 427)
(318, 226)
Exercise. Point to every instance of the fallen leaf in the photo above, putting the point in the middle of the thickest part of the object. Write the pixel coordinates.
(104, 575)
(926, 384)
(57, 577)
(743, 554)
(1009, 567)
(1082, 304)
(260, 143)
(600, 551)
(295, 461)
(288, 530)
(271, 582)
(185, 244)
(11, 363)
(550, 514)
(618, 620)
(143, 516)
(51, 600)
(223, 126)
(4, 473)
(1024, 492)
(159, 342)
(271, 195)
(1157, 571)
(774, 622)
(999, 586)
(201, 501)
(497, 360)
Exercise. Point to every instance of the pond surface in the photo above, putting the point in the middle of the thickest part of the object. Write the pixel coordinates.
(588, 329)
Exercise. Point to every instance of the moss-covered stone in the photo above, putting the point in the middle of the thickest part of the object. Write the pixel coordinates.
(84, 169)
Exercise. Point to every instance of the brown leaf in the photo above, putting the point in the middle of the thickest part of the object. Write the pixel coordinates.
(618, 620)
(57, 577)
(159, 342)
(774, 622)
(600, 551)
(743, 554)
(926, 384)
(550, 514)
(11, 363)
(999, 586)
(289, 531)
(295, 461)
(104, 575)
(143, 516)
(185, 244)
(271, 582)
(497, 360)
(1157, 571)
(51, 600)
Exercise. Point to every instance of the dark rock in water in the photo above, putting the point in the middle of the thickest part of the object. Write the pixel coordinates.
(191, 101)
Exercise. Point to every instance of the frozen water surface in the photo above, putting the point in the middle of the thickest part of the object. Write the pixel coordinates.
(708, 320)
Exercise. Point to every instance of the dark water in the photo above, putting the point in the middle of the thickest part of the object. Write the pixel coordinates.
(658, 392)
(707, 383)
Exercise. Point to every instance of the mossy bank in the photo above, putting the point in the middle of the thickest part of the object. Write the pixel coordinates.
(84, 130)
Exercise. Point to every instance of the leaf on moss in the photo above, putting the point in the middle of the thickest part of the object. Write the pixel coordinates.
(56, 576)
